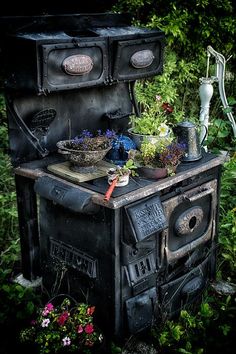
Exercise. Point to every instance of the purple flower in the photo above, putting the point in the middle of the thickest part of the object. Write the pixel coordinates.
(110, 133)
(86, 134)
(78, 140)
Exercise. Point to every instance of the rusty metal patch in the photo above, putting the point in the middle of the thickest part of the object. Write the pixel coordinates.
(142, 59)
(77, 64)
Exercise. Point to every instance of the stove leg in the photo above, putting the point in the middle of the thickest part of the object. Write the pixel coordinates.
(28, 225)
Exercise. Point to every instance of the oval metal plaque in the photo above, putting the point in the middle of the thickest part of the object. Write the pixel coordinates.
(77, 64)
(142, 59)
(188, 221)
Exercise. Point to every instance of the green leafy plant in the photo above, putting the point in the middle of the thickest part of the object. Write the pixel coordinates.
(183, 335)
(153, 120)
(156, 155)
(227, 229)
(63, 328)
(128, 168)
(16, 301)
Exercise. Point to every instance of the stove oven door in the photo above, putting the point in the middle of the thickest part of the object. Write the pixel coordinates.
(191, 221)
(138, 58)
(68, 66)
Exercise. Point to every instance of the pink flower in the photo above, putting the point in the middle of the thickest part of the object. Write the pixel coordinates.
(47, 309)
(50, 307)
(90, 310)
(45, 312)
(80, 329)
(89, 328)
(63, 318)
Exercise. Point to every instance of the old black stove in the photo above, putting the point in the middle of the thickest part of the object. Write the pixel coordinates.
(148, 251)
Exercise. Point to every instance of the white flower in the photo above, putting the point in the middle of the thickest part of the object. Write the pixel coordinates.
(45, 322)
(66, 341)
(163, 129)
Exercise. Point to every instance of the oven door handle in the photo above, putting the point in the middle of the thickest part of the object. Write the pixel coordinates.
(198, 195)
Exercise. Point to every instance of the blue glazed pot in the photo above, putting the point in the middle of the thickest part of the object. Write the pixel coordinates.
(119, 151)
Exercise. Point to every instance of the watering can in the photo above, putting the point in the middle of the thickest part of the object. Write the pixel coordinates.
(188, 134)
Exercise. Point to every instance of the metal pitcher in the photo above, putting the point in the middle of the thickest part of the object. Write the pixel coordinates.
(187, 133)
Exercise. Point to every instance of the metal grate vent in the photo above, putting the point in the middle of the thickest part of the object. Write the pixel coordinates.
(142, 268)
(73, 258)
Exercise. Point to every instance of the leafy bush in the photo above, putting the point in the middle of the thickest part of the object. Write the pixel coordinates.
(227, 228)
(196, 332)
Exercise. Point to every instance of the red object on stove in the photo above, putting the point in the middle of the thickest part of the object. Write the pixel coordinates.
(111, 189)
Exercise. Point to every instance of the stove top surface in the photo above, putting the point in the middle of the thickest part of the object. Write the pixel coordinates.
(101, 185)
(38, 167)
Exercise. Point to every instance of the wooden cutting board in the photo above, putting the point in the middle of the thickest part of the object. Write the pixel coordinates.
(63, 169)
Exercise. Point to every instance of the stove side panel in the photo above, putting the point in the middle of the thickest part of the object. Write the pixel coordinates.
(80, 256)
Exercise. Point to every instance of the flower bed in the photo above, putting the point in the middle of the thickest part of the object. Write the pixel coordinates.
(63, 328)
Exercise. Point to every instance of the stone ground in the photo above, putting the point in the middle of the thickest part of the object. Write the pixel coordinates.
(139, 348)
(136, 346)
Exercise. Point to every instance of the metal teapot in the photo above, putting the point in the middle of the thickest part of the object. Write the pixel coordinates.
(187, 133)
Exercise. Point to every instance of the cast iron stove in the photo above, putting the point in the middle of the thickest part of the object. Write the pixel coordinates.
(151, 249)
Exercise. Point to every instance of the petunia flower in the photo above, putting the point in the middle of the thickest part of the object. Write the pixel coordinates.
(47, 309)
(63, 318)
(80, 329)
(66, 341)
(45, 322)
(89, 328)
(90, 310)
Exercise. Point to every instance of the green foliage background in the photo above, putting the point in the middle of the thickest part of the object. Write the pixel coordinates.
(190, 26)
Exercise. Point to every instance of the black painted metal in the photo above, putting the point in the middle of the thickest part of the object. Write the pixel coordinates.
(151, 251)
(140, 276)
(36, 56)
(28, 227)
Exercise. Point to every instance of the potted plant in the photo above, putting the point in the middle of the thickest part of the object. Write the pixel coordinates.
(119, 176)
(122, 173)
(152, 125)
(87, 149)
(63, 328)
(157, 161)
